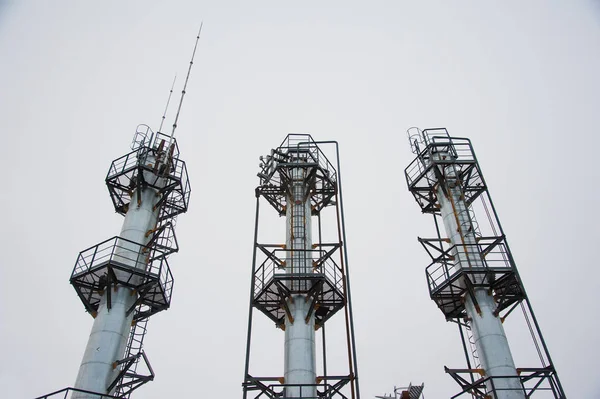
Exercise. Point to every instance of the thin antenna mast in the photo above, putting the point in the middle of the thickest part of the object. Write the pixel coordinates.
(167, 106)
(185, 85)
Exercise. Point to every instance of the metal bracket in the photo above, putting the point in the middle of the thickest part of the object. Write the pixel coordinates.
(136, 379)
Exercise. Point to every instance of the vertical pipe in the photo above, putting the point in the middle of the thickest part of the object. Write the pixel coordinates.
(251, 304)
(342, 222)
(299, 362)
(110, 331)
(342, 227)
(323, 336)
(488, 333)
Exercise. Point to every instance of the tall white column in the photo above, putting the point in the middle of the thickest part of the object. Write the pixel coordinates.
(488, 333)
(110, 331)
(300, 363)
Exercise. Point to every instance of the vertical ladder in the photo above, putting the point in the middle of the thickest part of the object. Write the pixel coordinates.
(474, 355)
(134, 347)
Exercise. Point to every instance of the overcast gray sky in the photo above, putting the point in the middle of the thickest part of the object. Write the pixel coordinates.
(520, 78)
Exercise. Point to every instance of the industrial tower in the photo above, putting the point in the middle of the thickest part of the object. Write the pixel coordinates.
(302, 283)
(126, 279)
(472, 277)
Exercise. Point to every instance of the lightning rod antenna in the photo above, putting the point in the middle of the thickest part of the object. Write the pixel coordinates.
(185, 85)
(167, 106)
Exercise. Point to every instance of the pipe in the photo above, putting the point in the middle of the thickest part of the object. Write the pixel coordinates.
(300, 348)
(251, 303)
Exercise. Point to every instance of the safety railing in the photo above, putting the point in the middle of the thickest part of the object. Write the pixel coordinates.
(296, 142)
(295, 149)
(440, 150)
(281, 263)
(481, 261)
(171, 178)
(123, 254)
(179, 197)
(124, 262)
(143, 137)
(145, 157)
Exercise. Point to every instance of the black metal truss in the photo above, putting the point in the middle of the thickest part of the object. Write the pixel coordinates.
(476, 384)
(273, 388)
(139, 169)
(493, 270)
(274, 285)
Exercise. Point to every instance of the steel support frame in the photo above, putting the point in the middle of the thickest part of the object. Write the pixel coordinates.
(423, 176)
(272, 388)
(326, 191)
(540, 379)
(135, 379)
(65, 393)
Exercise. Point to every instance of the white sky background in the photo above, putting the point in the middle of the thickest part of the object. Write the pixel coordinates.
(520, 79)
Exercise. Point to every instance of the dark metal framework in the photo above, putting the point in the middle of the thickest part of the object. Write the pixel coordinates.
(113, 263)
(118, 262)
(145, 166)
(67, 393)
(442, 162)
(274, 281)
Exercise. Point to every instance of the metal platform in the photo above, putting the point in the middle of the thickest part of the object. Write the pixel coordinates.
(140, 168)
(535, 381)
(494, 270)
(119, 262)
(297, 151)
(272, 388)
(274, 283)
(430, 167)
